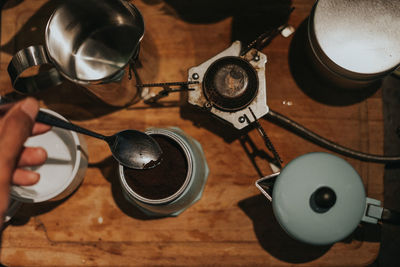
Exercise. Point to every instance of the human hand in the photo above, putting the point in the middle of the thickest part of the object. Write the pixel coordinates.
(17, 123)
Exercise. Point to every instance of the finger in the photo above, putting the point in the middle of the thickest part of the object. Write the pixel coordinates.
(32, 156)
(40, 128)
(15, 128)
(25, 177)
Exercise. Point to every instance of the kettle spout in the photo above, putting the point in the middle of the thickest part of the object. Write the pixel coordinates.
(266, 184)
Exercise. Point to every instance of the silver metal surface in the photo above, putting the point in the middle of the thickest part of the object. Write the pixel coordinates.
(266, 184)
(192, 188)
(357, 40)
(258, 105)
(189, 159)
(135, 149)
(24, 60)
(92, 43)
(93, 40)
(373, 210)
(130, 148)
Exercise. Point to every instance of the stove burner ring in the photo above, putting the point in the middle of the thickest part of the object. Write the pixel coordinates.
(230, 83)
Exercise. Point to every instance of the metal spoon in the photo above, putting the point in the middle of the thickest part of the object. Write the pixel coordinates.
(131, 148)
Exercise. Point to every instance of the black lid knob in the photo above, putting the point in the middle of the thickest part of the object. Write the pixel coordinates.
(322, 199)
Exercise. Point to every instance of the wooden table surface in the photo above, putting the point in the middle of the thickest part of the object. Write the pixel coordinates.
(232, 224)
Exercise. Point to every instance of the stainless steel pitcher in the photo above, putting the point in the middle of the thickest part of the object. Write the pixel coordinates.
(91, 43)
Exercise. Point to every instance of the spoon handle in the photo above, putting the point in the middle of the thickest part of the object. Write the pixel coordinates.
(51, 120)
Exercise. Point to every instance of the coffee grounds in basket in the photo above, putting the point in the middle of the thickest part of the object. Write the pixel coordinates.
(163, 180)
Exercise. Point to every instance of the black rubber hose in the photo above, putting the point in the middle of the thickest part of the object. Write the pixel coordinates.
(391, 216)
(287, 123)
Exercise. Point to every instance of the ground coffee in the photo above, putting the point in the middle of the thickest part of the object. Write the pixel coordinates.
(163, 180)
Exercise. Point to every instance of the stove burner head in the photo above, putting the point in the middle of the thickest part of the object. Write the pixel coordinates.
(230, 83)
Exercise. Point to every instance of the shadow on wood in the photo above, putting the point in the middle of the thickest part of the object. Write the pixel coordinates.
(279, 244)
(204, 119)
(250, 17)
(109, 169)
(254, 17)
(273, 238)
(29, 210)
(6, 4)
(253, 152)
(32, 32)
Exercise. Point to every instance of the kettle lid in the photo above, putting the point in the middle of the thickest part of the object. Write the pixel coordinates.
(318, 198)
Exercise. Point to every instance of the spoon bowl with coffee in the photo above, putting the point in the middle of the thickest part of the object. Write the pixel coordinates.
(131, 148)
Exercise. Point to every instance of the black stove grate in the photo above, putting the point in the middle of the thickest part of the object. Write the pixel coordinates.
(230, 83)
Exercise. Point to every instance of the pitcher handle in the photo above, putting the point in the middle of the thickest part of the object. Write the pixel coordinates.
(374, 212)
(27, 58)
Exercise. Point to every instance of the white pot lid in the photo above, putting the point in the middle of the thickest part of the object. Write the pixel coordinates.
(318, 198)
(360, 36)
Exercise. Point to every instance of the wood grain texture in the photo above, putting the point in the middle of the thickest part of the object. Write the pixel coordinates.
(232, 224)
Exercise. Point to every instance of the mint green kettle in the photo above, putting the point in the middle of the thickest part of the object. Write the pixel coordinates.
(319, 198)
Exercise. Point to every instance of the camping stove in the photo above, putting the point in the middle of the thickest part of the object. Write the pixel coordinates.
(231, 85)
